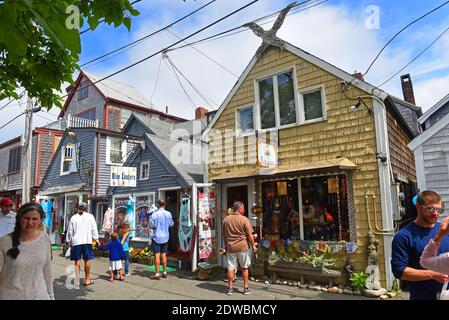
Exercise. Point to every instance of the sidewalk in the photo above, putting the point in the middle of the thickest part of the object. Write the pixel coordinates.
(180, 285)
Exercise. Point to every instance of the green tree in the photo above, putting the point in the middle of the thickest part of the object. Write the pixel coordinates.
(40, 42)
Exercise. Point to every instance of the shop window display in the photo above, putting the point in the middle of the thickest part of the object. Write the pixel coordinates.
(144, 209)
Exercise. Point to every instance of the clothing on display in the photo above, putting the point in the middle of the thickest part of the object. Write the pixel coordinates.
(108, 221)
(185, 230)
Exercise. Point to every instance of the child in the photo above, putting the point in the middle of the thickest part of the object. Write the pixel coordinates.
(115, 256)
(124, 240)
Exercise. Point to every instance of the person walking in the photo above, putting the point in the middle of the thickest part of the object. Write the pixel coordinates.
(25, 260)
(160, 222)
(115, 256)
(81, 232)
(408, 246)
(124, 240)
(238, 237)
(7, 217)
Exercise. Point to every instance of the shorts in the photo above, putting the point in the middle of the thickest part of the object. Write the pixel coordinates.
(115, 265)
(82, 250)
(159, 247)
(243, 258)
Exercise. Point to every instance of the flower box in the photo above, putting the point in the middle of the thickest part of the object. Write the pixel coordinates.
(298, 266)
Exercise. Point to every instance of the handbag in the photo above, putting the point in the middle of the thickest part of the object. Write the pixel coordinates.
(68, 252)
(444, 295)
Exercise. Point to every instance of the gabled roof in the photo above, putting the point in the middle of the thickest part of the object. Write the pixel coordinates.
(191, 173)
(406, 113)
(434, 109)
(427, 134)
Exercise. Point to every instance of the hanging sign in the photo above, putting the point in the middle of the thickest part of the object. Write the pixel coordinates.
(267, 155)
(206, 209)
(123, 176)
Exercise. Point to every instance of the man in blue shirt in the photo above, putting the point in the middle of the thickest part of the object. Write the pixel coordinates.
(160, 222)
(409, 243)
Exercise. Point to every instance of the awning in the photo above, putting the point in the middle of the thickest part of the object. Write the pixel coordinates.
(64, 189)
(302, 168)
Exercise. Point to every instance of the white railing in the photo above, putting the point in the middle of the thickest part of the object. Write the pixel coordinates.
(76, 122)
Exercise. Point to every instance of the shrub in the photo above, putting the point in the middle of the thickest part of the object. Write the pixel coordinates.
(358, 281)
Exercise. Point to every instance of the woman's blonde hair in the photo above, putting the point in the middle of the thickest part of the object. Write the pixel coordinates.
(230, 211)
(125, 228)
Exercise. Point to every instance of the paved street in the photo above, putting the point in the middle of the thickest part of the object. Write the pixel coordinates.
(178, 286)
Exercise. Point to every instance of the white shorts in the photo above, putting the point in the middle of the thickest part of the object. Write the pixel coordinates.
(243, 258)
(115, 265)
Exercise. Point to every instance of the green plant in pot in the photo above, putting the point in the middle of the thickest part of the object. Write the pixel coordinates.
(358, 281)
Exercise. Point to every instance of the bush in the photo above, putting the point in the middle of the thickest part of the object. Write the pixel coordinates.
(358, 281)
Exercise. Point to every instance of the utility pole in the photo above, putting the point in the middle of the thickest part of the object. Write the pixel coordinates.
(26, 152)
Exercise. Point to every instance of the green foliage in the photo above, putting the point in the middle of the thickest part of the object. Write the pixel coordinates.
(319, 260)
(396, 288)
(40, 48)
(301, 257)
(358, 281)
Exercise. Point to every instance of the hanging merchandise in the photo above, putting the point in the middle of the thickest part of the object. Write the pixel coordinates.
(47, 206)
(351, 247)
(322, 246)
(130, 216)
(108, 221)
(206, 201)
(185, 230)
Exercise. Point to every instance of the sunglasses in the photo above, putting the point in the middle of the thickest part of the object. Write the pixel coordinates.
(430, 210)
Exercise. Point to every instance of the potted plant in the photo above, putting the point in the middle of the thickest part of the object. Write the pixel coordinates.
(358, 281)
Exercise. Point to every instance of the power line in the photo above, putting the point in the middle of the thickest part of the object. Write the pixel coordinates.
(147, 36)
(205, 55)
(8, 103)
(180, 83)
(416, 57)
(21, 114)
(166, 48)
(408, 25)
(157, 78)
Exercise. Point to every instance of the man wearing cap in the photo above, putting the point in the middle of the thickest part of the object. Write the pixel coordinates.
(7, 217)
(81, 232)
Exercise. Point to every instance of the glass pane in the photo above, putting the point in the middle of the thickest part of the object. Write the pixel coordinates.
(246, 120)
(143, 213)
(287, 106)
(313, 108)
(266, 98)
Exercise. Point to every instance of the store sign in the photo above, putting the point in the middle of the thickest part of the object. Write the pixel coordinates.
(123, 176)
(267, 155)
(206, 215)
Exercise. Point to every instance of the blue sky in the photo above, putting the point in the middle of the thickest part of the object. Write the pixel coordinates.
(335, 31)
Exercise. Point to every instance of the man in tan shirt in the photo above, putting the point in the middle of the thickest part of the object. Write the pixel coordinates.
(238, 235)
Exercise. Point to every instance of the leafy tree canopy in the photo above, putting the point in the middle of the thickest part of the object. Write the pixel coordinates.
(40, 42)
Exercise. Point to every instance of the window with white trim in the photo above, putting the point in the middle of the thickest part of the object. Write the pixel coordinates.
(145, 170)
(245, 120)
(312, 102)
(277, 103)
(69, 159)
(115, 150)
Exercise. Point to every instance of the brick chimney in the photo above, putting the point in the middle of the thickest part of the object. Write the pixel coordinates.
(358, 75)
(407, 88)
(69, 88)
(200, 112)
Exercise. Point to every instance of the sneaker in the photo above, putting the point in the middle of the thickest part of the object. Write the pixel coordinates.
(230, 291)
(247, 291)
(164, 275)
(126, 275)
(155, 277)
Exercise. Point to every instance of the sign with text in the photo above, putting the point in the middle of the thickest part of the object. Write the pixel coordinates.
(267, 155)
(123, 176)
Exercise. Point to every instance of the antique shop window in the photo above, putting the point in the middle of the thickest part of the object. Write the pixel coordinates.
(277, 100)
(313, 106)
(280, 205)
(325, 208)
(144, 209)
(245, 120)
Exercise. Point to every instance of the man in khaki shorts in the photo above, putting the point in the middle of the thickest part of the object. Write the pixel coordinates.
(238, 235)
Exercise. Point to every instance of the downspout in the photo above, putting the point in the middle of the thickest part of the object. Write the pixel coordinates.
(382, 145)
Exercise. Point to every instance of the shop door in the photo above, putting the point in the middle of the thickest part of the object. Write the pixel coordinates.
(239, 193)
(172, 205)
(71, 204)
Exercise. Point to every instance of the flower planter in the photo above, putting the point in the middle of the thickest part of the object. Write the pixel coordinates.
(298, 266)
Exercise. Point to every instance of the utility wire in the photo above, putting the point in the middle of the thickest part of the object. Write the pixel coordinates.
(204, 97)
(416, 57)
(21, 114)
(8, 103)
(205, 55)
(147, 36)
(408, 25)
(157, 78)
(166, 48)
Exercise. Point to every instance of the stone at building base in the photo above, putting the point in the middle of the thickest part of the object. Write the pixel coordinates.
(374, 293)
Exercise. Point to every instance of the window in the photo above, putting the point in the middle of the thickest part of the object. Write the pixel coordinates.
(83, 90)
(145, 170)
(245, 120)
(15, 156)
(89, 114)
(69, 159)
(313, 106)
(143, 211)
(115, 150)
(277, 100)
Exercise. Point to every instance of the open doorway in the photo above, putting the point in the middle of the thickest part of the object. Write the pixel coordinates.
(238, 193)
(172, 205)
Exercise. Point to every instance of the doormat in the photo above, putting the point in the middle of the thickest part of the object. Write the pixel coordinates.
(56, 247)
(169, 269)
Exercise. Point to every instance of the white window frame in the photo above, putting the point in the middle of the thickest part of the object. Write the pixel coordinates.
(239, 132)
(141, 170)
(301, 94)
(63, 149)
(108, 151)
(135, 196)
(277, 126)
